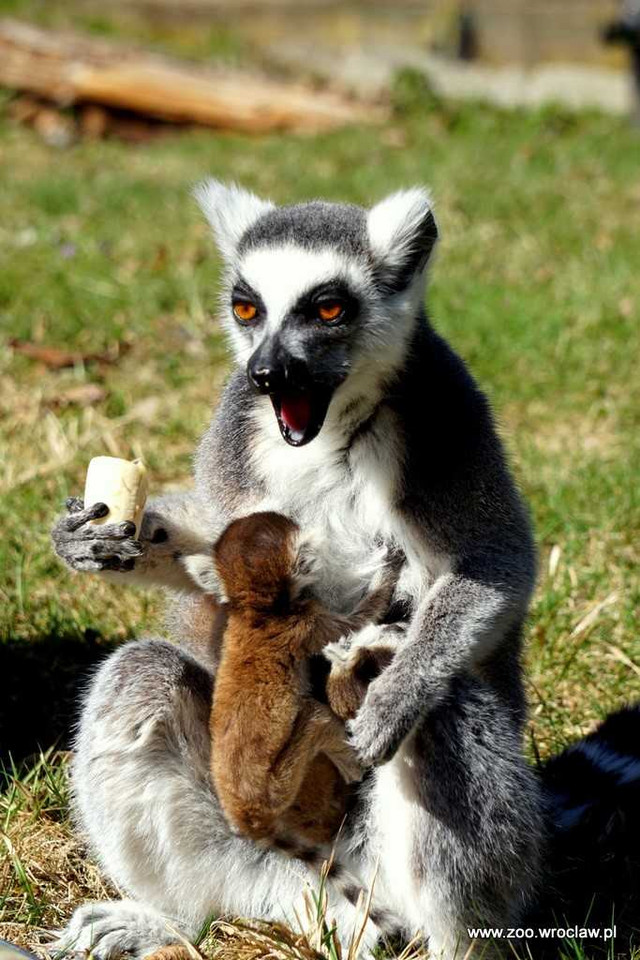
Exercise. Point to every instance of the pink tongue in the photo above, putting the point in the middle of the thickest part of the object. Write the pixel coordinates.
(296, 412)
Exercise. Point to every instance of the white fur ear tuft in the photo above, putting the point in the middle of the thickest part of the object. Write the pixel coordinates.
(402, 232)
(230, 210)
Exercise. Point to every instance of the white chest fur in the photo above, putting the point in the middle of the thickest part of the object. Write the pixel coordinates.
(394, 806)
(345, 496)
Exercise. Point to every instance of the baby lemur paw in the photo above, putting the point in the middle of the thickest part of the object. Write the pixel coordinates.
(352, 670)
(344, 653)
(338, 654)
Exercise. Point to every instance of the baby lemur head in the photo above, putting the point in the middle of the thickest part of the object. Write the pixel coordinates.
(257, 558)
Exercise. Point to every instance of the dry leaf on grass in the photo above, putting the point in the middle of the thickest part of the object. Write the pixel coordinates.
(588, 621)
(84, 395)
(56, 359)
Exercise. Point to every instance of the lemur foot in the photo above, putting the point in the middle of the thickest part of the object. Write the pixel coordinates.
(113, 928)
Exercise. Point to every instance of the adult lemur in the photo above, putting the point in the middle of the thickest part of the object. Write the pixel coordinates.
(347, 412)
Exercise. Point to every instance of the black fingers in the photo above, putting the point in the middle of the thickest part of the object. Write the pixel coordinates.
(93, 548)
(115, 563)
(75, 520)
(89, 565)
(108, 531)
(95, 555)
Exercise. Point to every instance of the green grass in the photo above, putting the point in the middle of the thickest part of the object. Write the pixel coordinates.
(536, 284)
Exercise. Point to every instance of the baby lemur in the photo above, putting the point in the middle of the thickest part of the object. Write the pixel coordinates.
(280, 759)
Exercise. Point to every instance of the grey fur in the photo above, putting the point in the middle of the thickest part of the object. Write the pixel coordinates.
(142, 794)
(111, 929)
(340, 226)
(409, 457)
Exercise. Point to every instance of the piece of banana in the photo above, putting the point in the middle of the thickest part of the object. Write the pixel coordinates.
(121, 484)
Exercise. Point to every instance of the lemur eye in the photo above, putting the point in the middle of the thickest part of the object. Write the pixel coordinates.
(245, 311)
(331, 311)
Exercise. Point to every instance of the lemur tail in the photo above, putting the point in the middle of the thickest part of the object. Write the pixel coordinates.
(593, 799)
(349, 886)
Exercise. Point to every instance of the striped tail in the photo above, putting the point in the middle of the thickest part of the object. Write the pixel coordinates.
(593, 797)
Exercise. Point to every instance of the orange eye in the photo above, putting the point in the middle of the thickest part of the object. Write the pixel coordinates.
(330, 312)
(245, 311)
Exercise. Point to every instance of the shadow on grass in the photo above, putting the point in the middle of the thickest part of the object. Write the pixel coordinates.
(41, 689)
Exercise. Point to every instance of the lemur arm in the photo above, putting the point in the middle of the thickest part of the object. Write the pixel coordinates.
(463, 617)
(177, 530)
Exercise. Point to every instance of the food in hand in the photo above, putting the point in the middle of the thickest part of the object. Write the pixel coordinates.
(121, 484)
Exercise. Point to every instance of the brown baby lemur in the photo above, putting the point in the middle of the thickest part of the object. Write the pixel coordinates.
(280, 758)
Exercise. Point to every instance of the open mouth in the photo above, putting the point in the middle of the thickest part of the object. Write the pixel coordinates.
(300, 415)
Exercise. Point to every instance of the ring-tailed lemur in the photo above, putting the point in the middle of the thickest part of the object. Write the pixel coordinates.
(345, 411)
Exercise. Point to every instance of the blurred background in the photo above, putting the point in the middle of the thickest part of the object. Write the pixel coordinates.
(521, 116)
(512, 52)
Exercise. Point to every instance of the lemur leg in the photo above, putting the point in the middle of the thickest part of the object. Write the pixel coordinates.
(456, 822)
(319, 731)
(142, 795)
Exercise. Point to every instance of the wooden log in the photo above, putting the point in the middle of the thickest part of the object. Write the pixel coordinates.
(70, 68)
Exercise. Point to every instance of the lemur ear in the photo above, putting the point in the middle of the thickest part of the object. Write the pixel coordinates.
(402, 234)
(230, 210)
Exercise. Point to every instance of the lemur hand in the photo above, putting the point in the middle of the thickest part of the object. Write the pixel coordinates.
(388, 714)
(90, 548)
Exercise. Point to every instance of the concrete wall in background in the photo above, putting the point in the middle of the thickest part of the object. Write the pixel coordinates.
(536, 31)
(523, 32)
(530, 52)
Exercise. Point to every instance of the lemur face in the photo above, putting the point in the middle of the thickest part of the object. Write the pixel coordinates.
(309, 309)
(318, 294)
